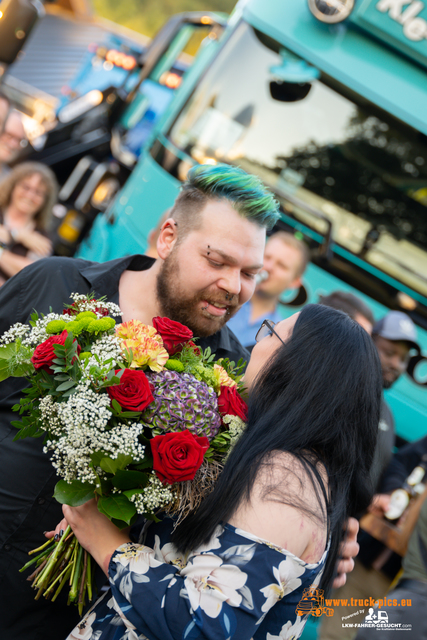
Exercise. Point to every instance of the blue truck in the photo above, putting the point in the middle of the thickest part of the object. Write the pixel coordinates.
(326, 102)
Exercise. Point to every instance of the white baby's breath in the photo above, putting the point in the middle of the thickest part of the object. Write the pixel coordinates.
(91, 305)
(16, 331)
(38, 333)
(155, 495)
(106, 348)
(81, 428)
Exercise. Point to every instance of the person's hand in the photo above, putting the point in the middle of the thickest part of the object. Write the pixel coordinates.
(95, 532)
(34, 241)
(348, 550)
(380, 504)
(58, 531)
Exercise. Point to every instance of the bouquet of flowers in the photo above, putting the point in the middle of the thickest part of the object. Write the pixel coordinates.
(134, 415)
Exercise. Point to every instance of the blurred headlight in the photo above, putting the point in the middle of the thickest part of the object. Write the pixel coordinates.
(80, 106)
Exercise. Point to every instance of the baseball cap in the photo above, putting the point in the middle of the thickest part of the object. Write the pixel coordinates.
(396, 325)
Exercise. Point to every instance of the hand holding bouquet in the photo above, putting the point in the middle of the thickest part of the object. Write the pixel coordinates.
(133, 415)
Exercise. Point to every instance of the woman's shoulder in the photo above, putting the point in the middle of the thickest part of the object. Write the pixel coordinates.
(229, 543)
(287, 506)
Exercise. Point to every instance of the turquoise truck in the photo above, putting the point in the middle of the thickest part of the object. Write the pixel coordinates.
(326, 101)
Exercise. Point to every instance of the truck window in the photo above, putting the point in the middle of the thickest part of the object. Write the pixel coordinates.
(331, 157)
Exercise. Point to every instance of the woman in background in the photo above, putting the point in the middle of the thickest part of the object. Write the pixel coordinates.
(27, 196)
(270, 530)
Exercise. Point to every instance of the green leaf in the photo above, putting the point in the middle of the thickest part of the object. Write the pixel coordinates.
(116, 406)
(8, 351)
(66, 385)
(23, 370)
(117, 506)
(111, 466)
(130, 414)
(122, 525)
(28, 428)
(68, 393)
(96, 458)
(147, 463)
(74, 493)
(129, 479)
(4, 372)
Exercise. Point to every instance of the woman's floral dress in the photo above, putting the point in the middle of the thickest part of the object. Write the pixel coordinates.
(236, 587)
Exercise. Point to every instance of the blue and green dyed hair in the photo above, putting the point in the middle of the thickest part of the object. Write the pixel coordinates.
(246, 193)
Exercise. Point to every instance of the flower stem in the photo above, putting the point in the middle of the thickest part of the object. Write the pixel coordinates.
(43, 578)
(55, 581)
(64, 580)
(83, 584)
(89, 578)
(59, 562)
(73, 560)
(46, 544)
(33, 560)
(74, 586)
(37, 571)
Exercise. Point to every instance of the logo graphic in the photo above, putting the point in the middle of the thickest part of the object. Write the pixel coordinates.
(313, 602)
(379, 619)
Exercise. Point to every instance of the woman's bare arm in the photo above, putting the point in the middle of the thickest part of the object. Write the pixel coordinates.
(11, 263)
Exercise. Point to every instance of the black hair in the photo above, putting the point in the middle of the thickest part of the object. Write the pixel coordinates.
(349, 303)
(318, 398)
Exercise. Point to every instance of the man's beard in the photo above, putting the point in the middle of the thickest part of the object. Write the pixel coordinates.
(181, 308)
(387, 383)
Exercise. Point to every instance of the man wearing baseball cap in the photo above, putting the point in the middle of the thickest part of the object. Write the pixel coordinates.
(395, 337)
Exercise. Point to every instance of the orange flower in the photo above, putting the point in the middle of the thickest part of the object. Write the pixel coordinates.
(223, 378)
(146, 352)
(135, 329)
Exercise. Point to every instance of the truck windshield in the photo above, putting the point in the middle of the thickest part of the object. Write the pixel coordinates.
(331, 158)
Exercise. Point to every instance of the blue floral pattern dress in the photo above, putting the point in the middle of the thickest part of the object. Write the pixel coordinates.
(236, 587)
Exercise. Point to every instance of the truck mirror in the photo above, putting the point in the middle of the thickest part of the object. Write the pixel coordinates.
(289, 91)
(16, 21)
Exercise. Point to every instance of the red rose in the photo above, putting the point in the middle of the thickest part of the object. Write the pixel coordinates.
(102, 311)
(177, 456)
(230, 402)
(44, 354)
(134, 391)
(174, 334)
(73, 310)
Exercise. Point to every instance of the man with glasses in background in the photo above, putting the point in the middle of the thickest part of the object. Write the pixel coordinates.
(285, 260)
(12, 139)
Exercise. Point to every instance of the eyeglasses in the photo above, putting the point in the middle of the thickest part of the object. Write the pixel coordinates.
(14, 140)
(267, 329)
(39, 193)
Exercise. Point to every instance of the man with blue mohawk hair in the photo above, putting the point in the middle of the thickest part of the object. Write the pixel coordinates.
(210, 250)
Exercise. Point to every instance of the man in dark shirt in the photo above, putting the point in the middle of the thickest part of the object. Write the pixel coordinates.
(210, 250)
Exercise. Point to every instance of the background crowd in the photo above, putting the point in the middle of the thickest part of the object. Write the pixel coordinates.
(28, 193)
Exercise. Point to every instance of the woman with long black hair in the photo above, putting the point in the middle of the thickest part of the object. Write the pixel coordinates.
(270, 530)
